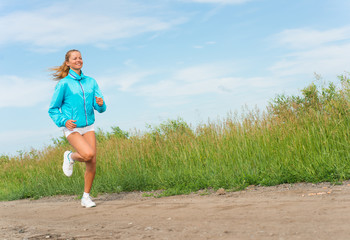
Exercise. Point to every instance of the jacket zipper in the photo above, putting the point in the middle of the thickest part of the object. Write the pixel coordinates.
(84, 102)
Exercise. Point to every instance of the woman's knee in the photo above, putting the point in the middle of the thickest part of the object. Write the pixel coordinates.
(88, 155)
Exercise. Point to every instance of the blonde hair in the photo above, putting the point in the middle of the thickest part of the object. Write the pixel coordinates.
(62, 71)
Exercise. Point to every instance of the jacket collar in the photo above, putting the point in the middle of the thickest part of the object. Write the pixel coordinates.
(75, 76)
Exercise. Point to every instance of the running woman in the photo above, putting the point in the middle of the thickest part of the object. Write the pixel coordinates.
(75, 98)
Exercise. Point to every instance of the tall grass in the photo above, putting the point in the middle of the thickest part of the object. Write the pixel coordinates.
(296, 139)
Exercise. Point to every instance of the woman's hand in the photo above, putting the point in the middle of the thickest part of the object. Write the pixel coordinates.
(70, 124)
(99, 101)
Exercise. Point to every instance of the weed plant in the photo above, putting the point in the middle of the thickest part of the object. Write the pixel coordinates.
(302, 138)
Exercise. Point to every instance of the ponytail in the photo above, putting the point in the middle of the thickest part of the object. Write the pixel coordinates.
(62, 71)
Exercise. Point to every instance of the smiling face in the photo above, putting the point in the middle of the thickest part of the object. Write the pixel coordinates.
(75, 61)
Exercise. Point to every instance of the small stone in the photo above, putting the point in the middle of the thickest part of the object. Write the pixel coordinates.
(221, 191)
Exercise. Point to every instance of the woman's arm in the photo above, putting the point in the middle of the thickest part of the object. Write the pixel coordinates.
(55, 105)
(99, 102)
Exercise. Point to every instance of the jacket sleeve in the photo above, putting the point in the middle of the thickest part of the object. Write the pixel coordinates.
(55, 105)
(98, 93)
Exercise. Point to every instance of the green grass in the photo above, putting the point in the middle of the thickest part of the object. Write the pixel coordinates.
(302, 138)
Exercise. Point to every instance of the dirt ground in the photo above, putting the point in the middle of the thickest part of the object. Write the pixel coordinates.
(298, 211)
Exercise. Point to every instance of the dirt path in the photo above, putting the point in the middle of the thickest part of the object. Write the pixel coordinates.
(299, 211)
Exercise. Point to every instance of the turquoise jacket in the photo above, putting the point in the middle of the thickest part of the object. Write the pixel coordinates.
(74, 98)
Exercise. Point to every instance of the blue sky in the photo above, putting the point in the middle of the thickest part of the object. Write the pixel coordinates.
(163, 59)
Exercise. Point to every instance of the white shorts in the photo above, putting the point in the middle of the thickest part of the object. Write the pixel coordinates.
(82, 130)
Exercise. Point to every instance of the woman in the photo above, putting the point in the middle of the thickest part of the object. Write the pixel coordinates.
(72, 107)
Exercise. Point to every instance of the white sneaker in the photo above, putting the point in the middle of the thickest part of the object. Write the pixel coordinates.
(67, 164)
(87, 202)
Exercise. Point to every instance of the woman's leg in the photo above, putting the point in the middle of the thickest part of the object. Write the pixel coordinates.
(90, 165)
(84, 150)
(85, 147)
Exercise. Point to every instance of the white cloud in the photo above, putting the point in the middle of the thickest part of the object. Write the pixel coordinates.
(310, 38)
(15, 140)
(58, 26)
(327, 60)
(202, 72)
(202, 46)
(216, 78)
(324, 52)
(20, 92)
(124, 81)
(223, 85)
(220, 1)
